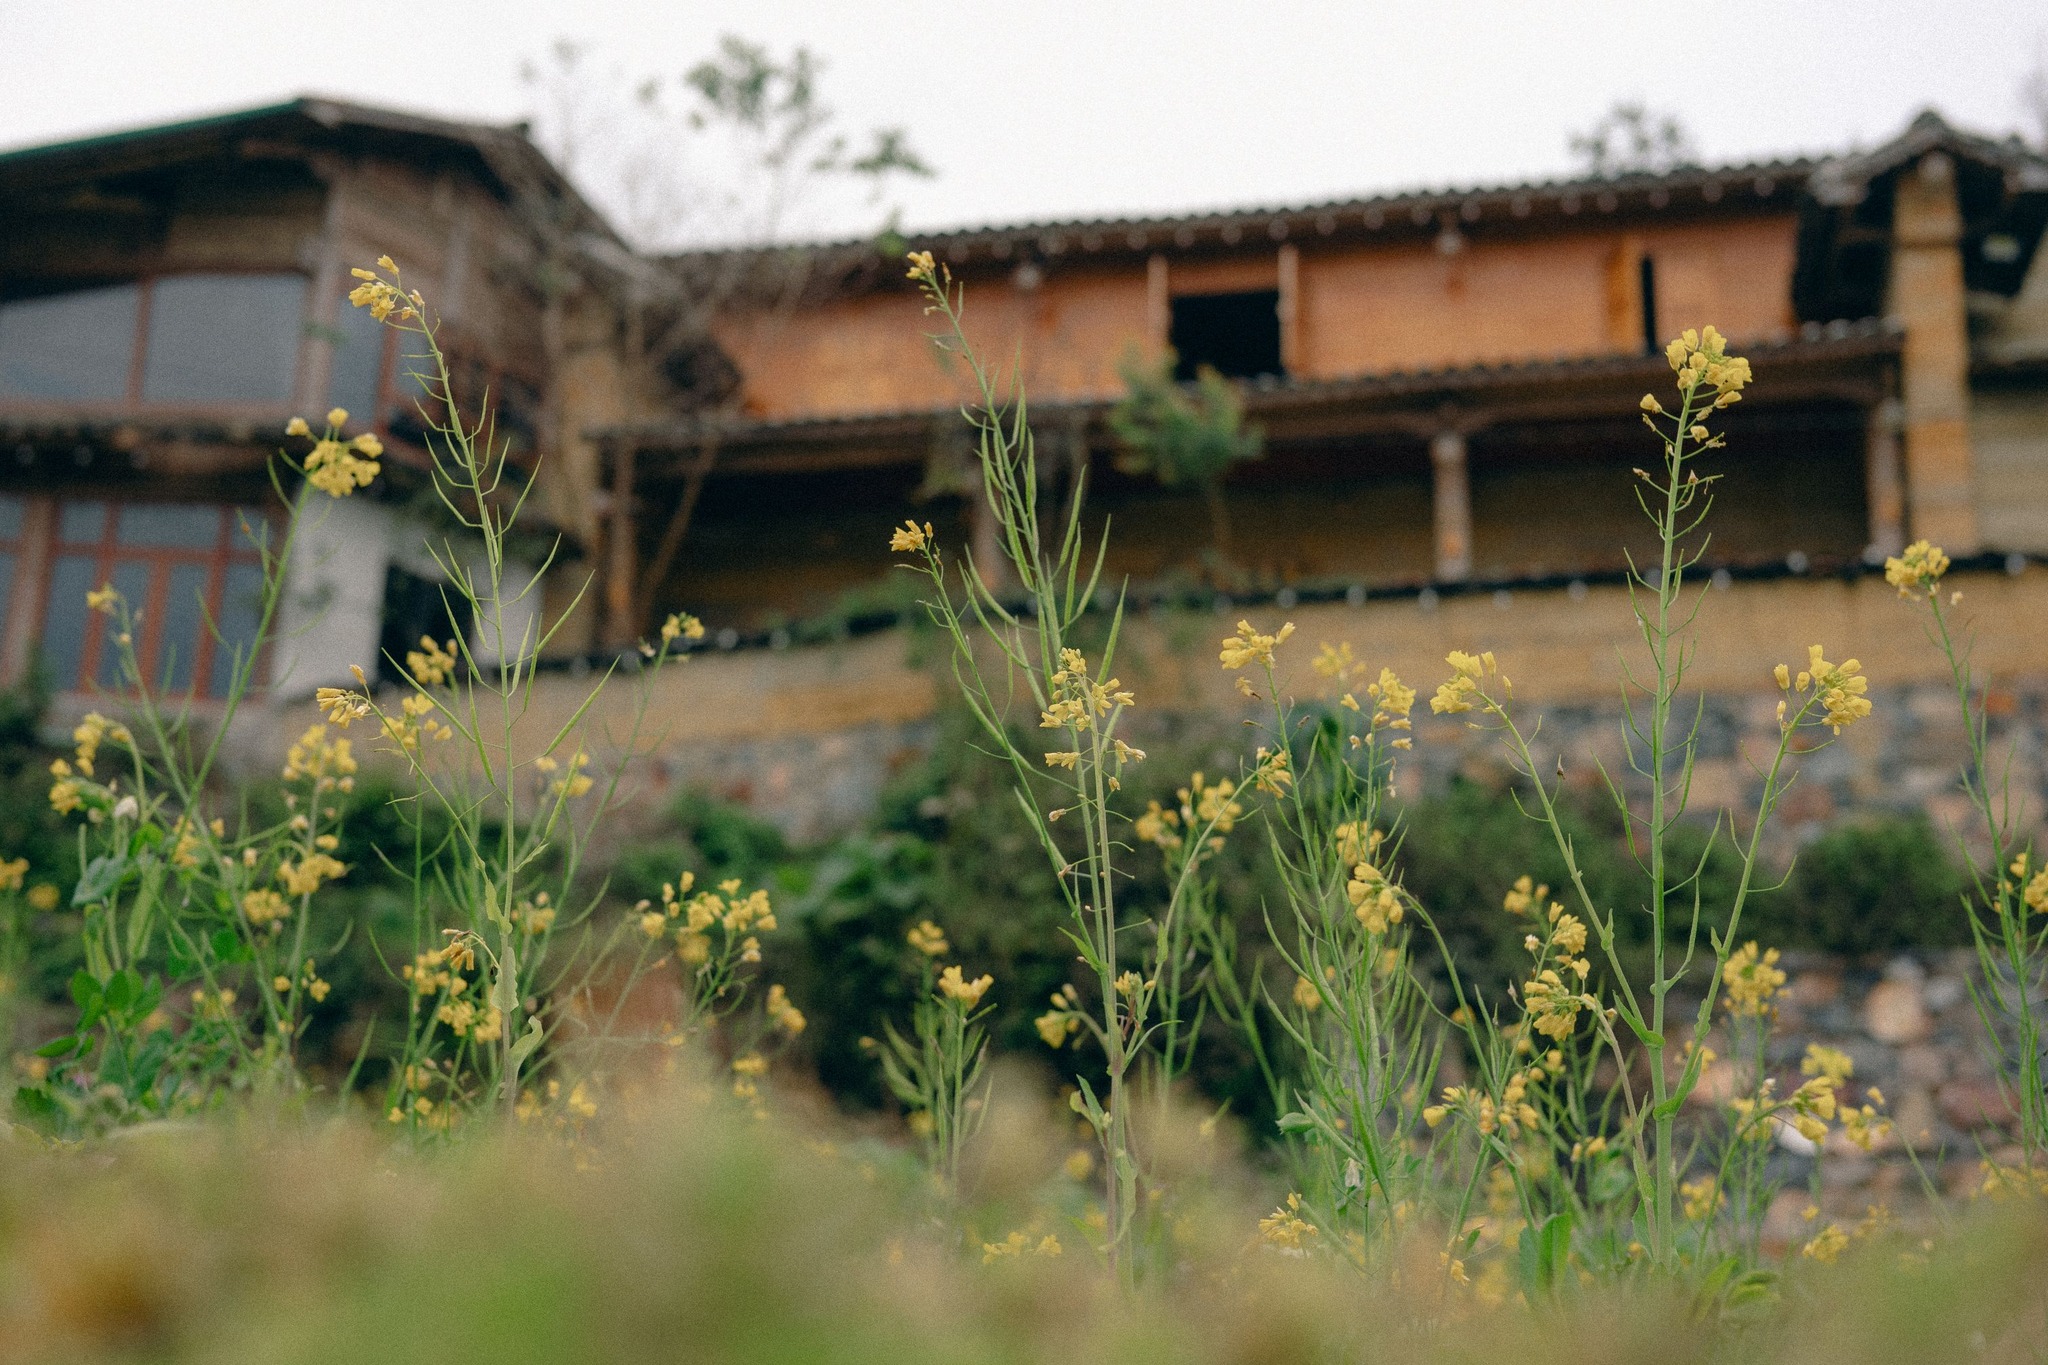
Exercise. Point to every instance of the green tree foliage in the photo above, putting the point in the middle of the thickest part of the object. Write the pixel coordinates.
(1185, 436)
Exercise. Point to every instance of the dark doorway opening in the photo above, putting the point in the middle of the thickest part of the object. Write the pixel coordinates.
(416, 607)
(1236, 334)
(1652, 342)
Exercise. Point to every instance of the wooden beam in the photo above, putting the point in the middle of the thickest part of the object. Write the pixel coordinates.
(1884, 480)
(621, 552)
(672, 534)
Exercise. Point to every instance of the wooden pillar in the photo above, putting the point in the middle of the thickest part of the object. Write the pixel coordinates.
(1158, 304)
(1290, 308)
(1453, 506)
(1883, 481)
(622, 551)
(1926, 295)
(316, 349)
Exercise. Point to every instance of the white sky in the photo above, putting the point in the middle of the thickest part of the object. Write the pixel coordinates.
(1048, 108)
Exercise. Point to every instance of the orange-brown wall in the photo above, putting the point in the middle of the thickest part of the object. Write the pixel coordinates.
(1359, 309)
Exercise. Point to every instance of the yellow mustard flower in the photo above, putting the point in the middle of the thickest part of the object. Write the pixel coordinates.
(953, 985)
(1248, 646)
(928, 939)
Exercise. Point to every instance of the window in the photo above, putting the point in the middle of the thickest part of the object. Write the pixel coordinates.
(356, 381)
(75, 346)
(232, 338)
(1238, 335)
(177, 565)
(215, 338)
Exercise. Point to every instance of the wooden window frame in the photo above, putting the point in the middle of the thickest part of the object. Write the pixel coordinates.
(41, 545)
(132, 401)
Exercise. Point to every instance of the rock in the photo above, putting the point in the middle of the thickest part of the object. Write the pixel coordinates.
(1914, 1117)
(1923, 1065)
(1893, 1012)
(1971, 1105)
(1785, 1224)
(1812, 990)
(1944, 993)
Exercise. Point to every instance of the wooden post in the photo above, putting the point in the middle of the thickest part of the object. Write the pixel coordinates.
(622, 551)
(1926, 294)
(1158, 305)
(1452, 504)
(1290, 308)
(672, 534)
(1884, 486)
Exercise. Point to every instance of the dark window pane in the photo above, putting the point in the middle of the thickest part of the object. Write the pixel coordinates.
(69, 346)
(65, 618)
(82, 523)
(131, 580)
(184, 626)
(241, 613)
(6, 586)
(1236, 334)
(170, 526)
(11, 512)
(223, 338)
(358, 371)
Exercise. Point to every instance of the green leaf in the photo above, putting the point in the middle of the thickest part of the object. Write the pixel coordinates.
(85, 991)
(228, 947)
(121, 990)
(102, 876)
(1544, 1255)
(527, 1042)
(34, 1103)
(57, 1047)
(1296, 1123)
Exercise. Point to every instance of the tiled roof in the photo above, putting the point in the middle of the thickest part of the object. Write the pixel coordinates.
(1814, 342)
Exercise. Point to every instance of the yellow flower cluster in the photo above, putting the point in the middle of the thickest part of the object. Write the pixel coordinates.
(910, 537)
(1250, 647)
(2033, 890)
(1467, 685)
(1392, 701)
(573, 783)
(339, 468)
(437, 970)
(94, 731)
(1307, 994)
(683, 626)
(1838, 688)
(1203, 805)
(737, 917)
(1918, 570)
(432, 664)
(1511, 1115)
(1285, 1228)
(413, 722)
(929, 939)
(327, 762)
(1373, 899)
(783, 1014)
(303, 878)
(341, 706)
(1701, 358)
(387, 300)
(954, 985)
(1524, 895)
(264, 908)
(1016, 1244)
(1062, 1021)
(12, 873)
(1078, 701)
(1750, 981)
(1702, 1198)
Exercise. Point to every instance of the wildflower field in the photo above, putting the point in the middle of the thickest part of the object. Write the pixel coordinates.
(583, 1125)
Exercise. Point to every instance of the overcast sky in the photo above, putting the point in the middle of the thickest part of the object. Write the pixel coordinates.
(1049, 108)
